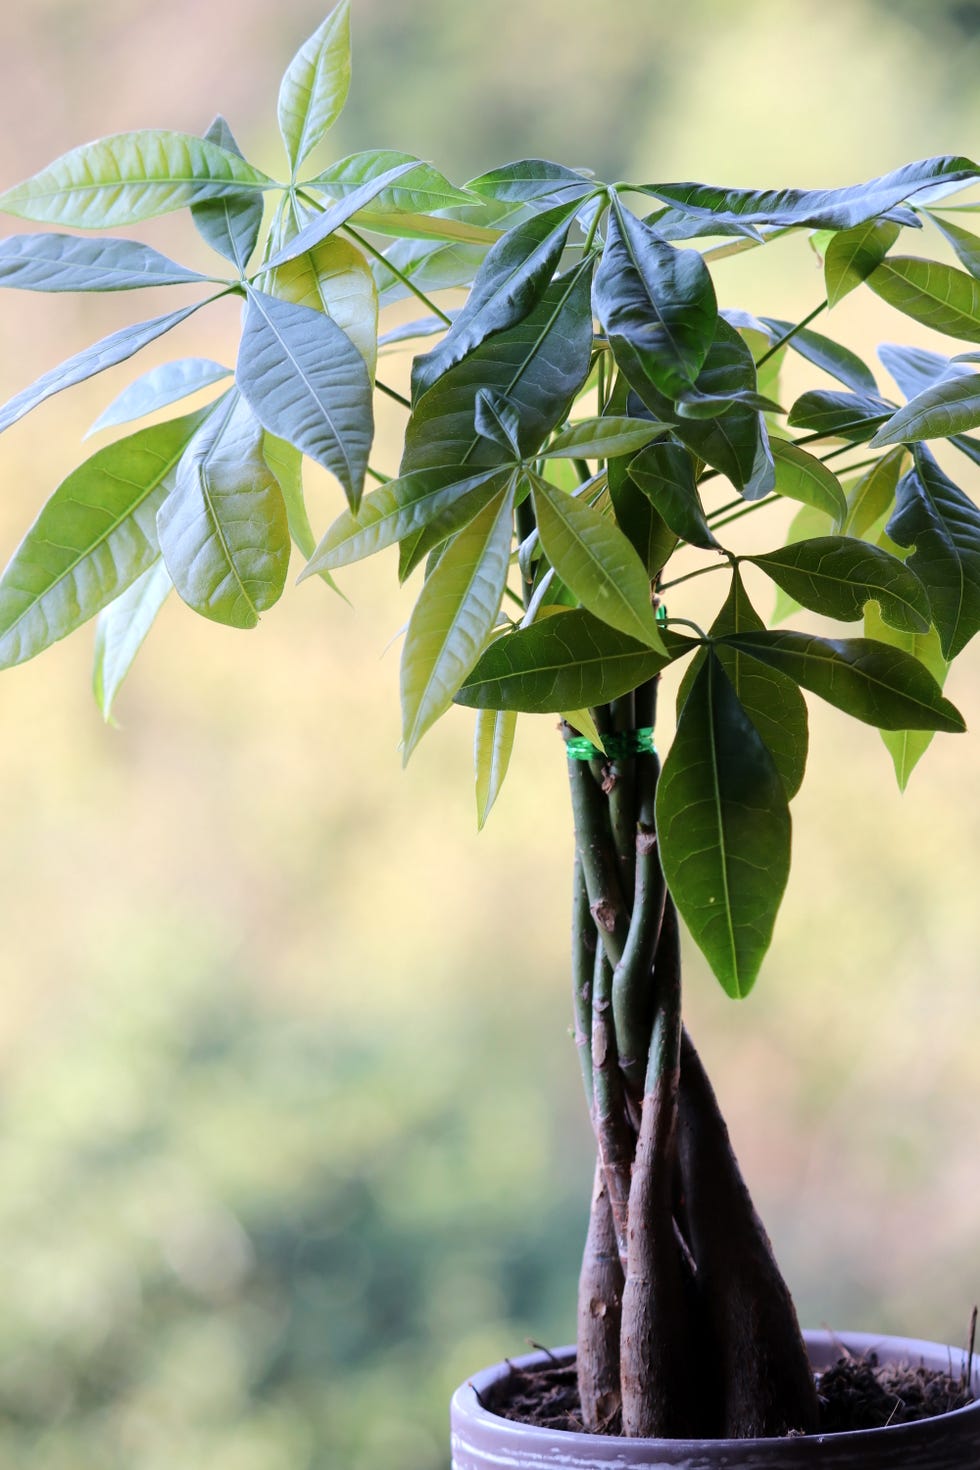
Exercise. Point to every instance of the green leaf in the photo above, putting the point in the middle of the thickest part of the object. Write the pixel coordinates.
(328, 220)
(131, 177)
(334, 278)
(423, 188)
(853, 416)
(116, 348)
(497, 418)
(823, 352)
(723, 830)
(492, 748)
(568, 661)
(667, 477)
(223, 529)
(837, 575)
(539, 364)
(399, 509)
(964, 242)
(121, 631)
(431, 265)
(93, 538)
(286, 464)
(314, 88)
(645, 528)
(582, 721)
(453, 617)
(853, 254)
(511, 281)
(159, 387)
(872, 496)
(933, 515)
(819, 209)
(939, 296)
(948, 407)
(907, 747)
(231, 224)
(531, 179)
(881, 686)
(915, 369)
(596, 561)
(800, 476)
(656, 305)
(420, 226)
(306, 382)
(602, 438)
(52, 262)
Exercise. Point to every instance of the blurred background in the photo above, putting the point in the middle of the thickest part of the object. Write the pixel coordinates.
(291, 1138)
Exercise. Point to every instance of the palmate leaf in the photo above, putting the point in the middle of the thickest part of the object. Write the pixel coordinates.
(656, 305)
(493, 744)
(799, 476)
(121, 630)
(879, 685)
(723, 829)
(159, 387)
(511, 281)
(539, 364)
(231, 224)
(454, 616)
(818, 209)
(422, 189)
(93, 538)
(306, 382)
(596, 562)
(314, 88)
(948, 407)
(53, 262)
(939, 296)
(837, 575)
(335, 215)
(223, 529)
(933, 515)
(907, 747)
(853, 254)
(131, 177)
(568, 661)
(116, 348)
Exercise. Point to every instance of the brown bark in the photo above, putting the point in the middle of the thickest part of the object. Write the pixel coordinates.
(600, 1299)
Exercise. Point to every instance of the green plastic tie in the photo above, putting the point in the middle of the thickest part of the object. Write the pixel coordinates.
(622, 745)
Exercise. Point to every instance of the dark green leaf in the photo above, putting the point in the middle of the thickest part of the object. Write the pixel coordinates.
(492, 747)
(853, 254)
(531, 179)
(933, 515)
(871, 497)
(314, 88)
(802, 477)
(939, 296)
(497, 418)
(881, 686)
(853, 416)
(666, 475)
(230, 224)
(837, 575)
(53, 262)
(306, 381)
(840, 362)
(907, 747)
(723, 830)
(948, 407)
(121, 631)
(645, 529)
(566, 661)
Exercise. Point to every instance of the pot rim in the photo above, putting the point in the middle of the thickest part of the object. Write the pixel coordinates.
(466, 1401)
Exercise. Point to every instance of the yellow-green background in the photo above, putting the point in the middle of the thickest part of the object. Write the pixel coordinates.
(290, 1131)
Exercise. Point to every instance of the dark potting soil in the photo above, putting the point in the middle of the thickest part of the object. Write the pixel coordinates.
(856, 1393)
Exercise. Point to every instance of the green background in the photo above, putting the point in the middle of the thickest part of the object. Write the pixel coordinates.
(291, 1138)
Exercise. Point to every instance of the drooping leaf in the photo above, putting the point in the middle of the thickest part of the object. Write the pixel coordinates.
(939, 296)
(223, 529)
(116, 348)
(933, 515)
(596, 561)
(949, 407)
(306, 382)
(334, 278)
(335, 215)
(645, 528)
(422, 189)
(907, 747)
(872, 496)
(666, 474)
(231, 224)
(830, 356)
(131, 177)
(531, 179)
(800, 476)
(602, 438)
(453, 617)
(853, 254)
(121, 630)
(511, 281)
(569, 661)
(314, 88)
(52, 262)
(819, 209)
(853, 416)
(539, 364)
(93, 538)
(159, 387)
(964, 242)
(723, 830)
(914, 369)
(656, 305)
(837, 575)
(881, 686)
(492, 747)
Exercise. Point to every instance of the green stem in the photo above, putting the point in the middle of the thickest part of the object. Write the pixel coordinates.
(746, 510)
(377, 475)
(596, 853)
(393, 393)
(786, 337)
(715, 566)
(405, 280)
(618, 784)
(583, 966)
(609, 1119)
(631, 978)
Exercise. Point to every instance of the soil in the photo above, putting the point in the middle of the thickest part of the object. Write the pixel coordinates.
(856, 1393)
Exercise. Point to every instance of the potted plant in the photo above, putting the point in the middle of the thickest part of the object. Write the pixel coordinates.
(587, 433)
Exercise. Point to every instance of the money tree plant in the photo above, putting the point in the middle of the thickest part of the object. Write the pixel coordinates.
(588, 431)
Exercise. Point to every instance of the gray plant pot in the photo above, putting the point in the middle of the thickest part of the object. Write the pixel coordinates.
(484, 1441)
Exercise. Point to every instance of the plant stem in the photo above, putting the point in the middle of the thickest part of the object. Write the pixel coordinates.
(405, 280)
(393, 393)
(715, 566)
(786, 337)
(746, 510)
(596, 853)
(583, 965)
(609, 1120)
(631, 977)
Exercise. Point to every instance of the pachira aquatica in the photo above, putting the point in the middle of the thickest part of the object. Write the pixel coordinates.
(583, 425)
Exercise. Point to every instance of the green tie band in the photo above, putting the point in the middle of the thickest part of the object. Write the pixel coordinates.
(620, 745)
